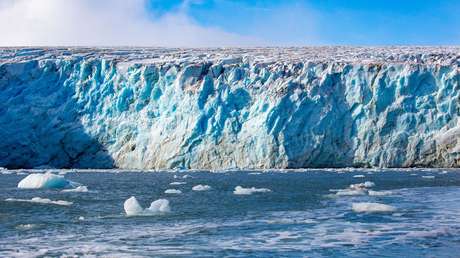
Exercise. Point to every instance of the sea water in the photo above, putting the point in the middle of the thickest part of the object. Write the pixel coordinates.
(312, 213)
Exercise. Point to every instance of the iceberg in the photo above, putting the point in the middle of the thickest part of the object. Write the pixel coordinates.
(45, 181)
(133, 208)
(218, 109)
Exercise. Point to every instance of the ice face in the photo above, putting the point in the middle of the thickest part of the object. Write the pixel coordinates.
(230, 108)
(45, 181)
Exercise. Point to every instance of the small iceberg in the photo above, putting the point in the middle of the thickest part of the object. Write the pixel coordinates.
(372, 207)
(41, 201)
(428, 177)
(133, 208)
(173, 191)
(178, 183)
(201, 188)
(358, 176)
(79, 189)
(247, 191)
(45, 181)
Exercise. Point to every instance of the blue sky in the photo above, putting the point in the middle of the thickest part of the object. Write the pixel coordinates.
(216, 23)
(356, 22)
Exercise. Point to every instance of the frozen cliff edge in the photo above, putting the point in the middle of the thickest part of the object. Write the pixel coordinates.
(229, 108)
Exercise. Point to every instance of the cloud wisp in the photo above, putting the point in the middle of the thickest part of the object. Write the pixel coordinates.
(104, 23)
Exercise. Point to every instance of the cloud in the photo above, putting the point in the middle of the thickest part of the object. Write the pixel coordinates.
(105, 23)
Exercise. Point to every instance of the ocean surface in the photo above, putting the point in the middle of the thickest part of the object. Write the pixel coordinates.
(305, 213)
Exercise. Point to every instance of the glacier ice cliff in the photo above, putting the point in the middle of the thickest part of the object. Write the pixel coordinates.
(229, 108)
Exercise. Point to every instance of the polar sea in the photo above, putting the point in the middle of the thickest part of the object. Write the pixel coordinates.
(261, 213)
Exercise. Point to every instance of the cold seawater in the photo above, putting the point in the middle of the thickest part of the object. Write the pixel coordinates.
(314, 213)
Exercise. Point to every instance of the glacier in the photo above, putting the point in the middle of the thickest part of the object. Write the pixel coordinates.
(226, 108)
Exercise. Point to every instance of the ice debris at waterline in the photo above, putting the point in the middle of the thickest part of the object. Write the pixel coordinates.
(201, 188)
(133, 208)
(45, 181)
(371, 207)
(229, 108)
(40, 201)
(239, 190)
(79, 189)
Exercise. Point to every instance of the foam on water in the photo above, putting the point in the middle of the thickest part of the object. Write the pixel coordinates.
(40, 201)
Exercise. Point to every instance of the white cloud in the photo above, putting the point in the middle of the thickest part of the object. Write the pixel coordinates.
(104, 23)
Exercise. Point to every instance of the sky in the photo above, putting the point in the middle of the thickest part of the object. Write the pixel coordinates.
(226, 23)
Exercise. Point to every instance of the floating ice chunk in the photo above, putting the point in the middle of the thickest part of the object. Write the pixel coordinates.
(371, 207)
(255, 173)
(173, 191)
(175, 176)
(81, 218)
(350, 192)
(133, 208)
(201, 188)
(41, 201)
(79, 189)
(178, 183)
(247, 191)
(186, 176)
(45, 181)
(428, 177)
(358, 176)
(379, 193)
(26, 226)
(367, 184)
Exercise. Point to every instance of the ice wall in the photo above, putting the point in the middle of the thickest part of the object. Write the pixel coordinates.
(229, 108)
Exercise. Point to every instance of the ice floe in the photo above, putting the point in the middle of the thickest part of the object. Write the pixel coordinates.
(178, 183)
(239, 190)
(201, 188)
(428, 177)
(173, 191)
(41, 201)
(133, 208)
(45, 181)
(371, 207)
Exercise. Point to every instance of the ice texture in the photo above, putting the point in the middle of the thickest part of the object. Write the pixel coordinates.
(45, 181)
(159, 108)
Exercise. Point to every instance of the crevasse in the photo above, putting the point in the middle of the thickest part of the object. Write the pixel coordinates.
(229, 111)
